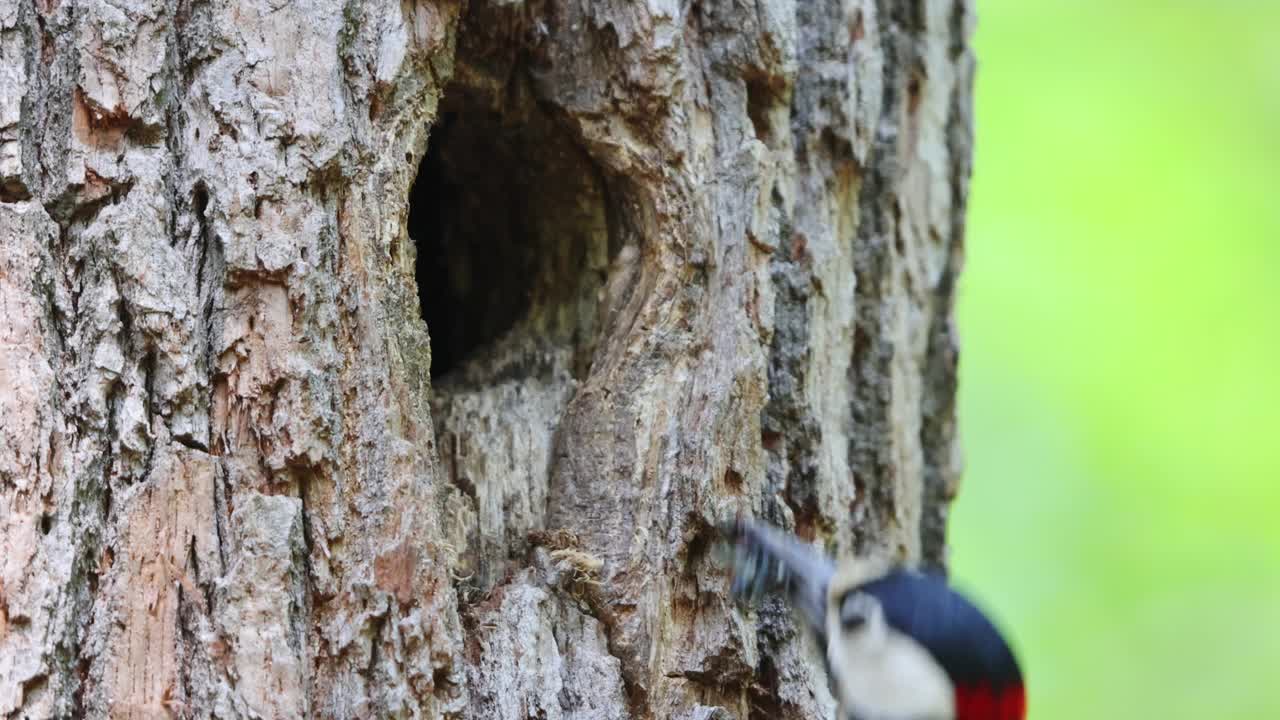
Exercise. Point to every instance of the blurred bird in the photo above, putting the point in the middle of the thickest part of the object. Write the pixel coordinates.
(899, 644)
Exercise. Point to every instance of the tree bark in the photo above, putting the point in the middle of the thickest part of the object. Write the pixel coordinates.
(679, 261)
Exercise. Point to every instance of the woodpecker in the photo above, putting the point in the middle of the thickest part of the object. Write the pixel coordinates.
(899, 644)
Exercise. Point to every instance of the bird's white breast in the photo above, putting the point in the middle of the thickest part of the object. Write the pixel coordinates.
(886, 675)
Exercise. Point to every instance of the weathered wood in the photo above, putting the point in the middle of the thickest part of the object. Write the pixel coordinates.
(679, 260)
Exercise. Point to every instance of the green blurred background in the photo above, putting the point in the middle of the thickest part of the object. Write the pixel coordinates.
(1120, 375)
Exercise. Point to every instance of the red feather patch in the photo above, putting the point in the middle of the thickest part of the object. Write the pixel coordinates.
(980, 702)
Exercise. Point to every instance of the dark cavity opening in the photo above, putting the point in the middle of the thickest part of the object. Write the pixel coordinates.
(509, 217)
(470, 268)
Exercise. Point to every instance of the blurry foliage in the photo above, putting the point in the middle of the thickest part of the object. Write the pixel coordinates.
(1120, 375)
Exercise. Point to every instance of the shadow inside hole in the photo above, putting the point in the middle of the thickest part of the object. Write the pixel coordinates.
(472, 265)
(509, 218)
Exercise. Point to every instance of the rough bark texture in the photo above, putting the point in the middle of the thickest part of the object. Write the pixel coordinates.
(679, 260)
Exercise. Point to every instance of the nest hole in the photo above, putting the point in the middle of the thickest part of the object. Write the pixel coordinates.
(511, 224)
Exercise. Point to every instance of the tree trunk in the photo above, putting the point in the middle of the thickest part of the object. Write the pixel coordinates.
(679, 261)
